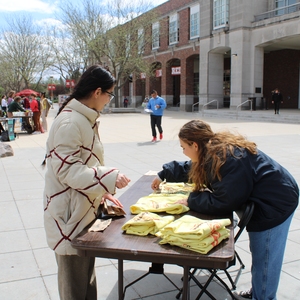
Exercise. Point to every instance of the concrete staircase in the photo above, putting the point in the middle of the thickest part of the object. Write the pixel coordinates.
(285, 116)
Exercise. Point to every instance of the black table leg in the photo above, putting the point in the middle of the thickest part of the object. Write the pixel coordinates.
(120, 279)
(185, 288)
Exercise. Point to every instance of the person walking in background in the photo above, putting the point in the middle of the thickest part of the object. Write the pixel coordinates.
(45, 106)
(10, 97)
(36, 114)
(157, 105)
(4, 105)
(227, 171)
(125, 102)
(77, 181)
(145, 102)
(276, 100)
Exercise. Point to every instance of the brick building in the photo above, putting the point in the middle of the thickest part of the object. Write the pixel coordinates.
(222, 50)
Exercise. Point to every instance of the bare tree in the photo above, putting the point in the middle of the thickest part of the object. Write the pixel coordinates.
(113, 35)
(25, 50)
(70, 57)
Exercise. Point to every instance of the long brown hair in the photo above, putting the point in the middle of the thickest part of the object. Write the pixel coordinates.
(213, 149)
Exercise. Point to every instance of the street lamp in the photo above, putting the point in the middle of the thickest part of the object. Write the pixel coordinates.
(51, 77)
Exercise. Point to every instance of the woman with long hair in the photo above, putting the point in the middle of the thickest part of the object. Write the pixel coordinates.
(228, 170)
(77, 180)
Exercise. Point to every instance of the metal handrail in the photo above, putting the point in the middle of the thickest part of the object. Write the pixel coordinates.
(243, 104)
(280, 11)
(210, 103)
(193, 106)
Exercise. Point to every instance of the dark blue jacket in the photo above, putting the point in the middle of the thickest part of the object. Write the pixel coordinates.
(247, 177)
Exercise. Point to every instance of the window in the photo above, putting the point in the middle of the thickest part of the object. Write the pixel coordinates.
(173, 30)
(155, 35)
(284, 4)
(220, 13)
(141, 43)
(194, 22)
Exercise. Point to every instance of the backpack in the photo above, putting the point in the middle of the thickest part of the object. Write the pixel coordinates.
(39, 104)
(5, 136)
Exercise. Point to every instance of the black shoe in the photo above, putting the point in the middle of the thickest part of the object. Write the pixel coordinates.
(243, 295)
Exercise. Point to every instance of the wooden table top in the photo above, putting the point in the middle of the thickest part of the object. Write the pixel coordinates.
(113, 243)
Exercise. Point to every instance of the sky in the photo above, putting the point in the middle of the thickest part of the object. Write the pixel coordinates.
(41, 11)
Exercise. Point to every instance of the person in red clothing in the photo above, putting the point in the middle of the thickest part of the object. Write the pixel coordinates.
(34, 106)
(26, 103)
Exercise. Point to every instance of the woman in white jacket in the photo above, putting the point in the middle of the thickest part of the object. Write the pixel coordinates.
(77, 181)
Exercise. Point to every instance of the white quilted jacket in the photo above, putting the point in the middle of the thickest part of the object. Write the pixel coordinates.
(76, 178)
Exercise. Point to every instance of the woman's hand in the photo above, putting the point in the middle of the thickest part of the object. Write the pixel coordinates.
(183, 202)
(111, 198)
(155, 183)
(122, 181)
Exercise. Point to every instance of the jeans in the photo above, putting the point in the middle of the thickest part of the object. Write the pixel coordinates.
(267, 249)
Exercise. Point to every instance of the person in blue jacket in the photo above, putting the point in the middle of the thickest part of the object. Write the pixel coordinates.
(228, 170)
(157, 105)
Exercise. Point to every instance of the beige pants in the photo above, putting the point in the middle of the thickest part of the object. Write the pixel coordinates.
(44, 120)
(76, 277)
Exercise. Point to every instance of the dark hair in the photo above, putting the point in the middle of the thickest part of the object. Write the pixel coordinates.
(17, 98)
(153, 92)
(93, 78)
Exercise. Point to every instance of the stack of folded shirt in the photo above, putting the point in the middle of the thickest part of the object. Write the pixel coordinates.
(195, 234)
(146, 223)
(160, 203)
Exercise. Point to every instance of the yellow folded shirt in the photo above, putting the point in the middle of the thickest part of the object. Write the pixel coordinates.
(176, 187)
(194, 228)
(160, 203)
(146, 223)
(202, 247)
(195, 234)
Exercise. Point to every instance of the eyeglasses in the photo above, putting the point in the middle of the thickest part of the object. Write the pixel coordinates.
(111, 95)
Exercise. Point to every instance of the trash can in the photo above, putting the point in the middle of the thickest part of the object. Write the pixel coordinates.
(253, 100)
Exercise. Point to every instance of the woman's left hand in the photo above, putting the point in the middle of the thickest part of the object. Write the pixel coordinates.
(111, 198)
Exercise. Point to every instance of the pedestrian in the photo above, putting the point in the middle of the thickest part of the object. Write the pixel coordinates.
(125, 102)
(227, 171)
(276, 100)
(36, 114)
(14, 106)
(157, 105)
(26, 103)
(77, 181)
(4, 105)
(45, 106)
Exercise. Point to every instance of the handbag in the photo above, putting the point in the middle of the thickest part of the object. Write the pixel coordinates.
(110, 211)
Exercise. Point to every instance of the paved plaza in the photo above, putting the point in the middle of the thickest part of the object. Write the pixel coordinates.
(28, 268)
